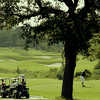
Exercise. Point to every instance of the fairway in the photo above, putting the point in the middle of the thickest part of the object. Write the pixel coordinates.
(51, 88)
(32, 61)
(40, 62)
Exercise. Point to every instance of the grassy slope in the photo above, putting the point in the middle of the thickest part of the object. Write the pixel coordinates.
(33, 60)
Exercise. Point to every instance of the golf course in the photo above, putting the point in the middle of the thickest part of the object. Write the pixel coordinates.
(38, 67)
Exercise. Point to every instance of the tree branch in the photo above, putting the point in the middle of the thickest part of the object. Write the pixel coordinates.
(69, 3)
(75, 3)
(83, 12)
(39, 3)
(44, 12)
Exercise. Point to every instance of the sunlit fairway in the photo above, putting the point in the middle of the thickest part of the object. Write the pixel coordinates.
(36, 61)
(27, 61)
(90, 92)
(51, 89)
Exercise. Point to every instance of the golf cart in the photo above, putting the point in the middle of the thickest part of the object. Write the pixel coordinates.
(14, 88)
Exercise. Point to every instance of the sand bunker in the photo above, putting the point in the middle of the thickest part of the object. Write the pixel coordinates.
(54, 65)
(44, 57)
(1, 60)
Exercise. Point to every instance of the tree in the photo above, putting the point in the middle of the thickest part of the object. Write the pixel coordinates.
(94, 50)
(74, 27)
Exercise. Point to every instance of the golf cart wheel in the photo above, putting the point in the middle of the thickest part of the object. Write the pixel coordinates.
(17, 96)
(3, 95)
(27, 96)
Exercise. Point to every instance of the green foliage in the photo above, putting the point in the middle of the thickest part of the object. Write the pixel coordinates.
(60, 73)
(96, 72)
(72, 27)
(87, 74)
(10, 38)
(14, 40)
(18, 70)
(94, 49)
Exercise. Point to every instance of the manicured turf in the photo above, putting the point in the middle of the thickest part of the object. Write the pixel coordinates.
(37, 61)
(32, 60)
(51, 88)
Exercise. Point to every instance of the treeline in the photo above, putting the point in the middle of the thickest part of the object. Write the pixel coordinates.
(12, 38)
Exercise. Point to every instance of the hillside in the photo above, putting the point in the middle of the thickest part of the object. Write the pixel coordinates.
(40, 68)
(35, 63)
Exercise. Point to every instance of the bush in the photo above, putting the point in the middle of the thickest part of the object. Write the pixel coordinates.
(77, 74)
(97, 67)
(52, 73)
(96, 73)
(60, 73)
(88, 74)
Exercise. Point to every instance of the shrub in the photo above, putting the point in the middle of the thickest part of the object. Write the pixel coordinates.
(60, 73)
(88, 74)
(97, 67)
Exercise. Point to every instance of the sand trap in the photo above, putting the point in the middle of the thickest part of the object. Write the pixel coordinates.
(44, 57)
(54, 65)
(1, 60)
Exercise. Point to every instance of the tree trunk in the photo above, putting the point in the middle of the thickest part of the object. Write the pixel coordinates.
(70, 63)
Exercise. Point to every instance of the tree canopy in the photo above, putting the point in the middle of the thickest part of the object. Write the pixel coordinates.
(58, 24)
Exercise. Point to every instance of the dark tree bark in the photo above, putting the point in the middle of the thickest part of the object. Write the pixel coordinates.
(70, 63)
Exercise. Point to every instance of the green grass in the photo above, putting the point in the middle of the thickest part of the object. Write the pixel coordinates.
(35, 61)
(11, 58)
(32, 60)
(45, 87)
(91, 92)
(85, 63)
(51, 89)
